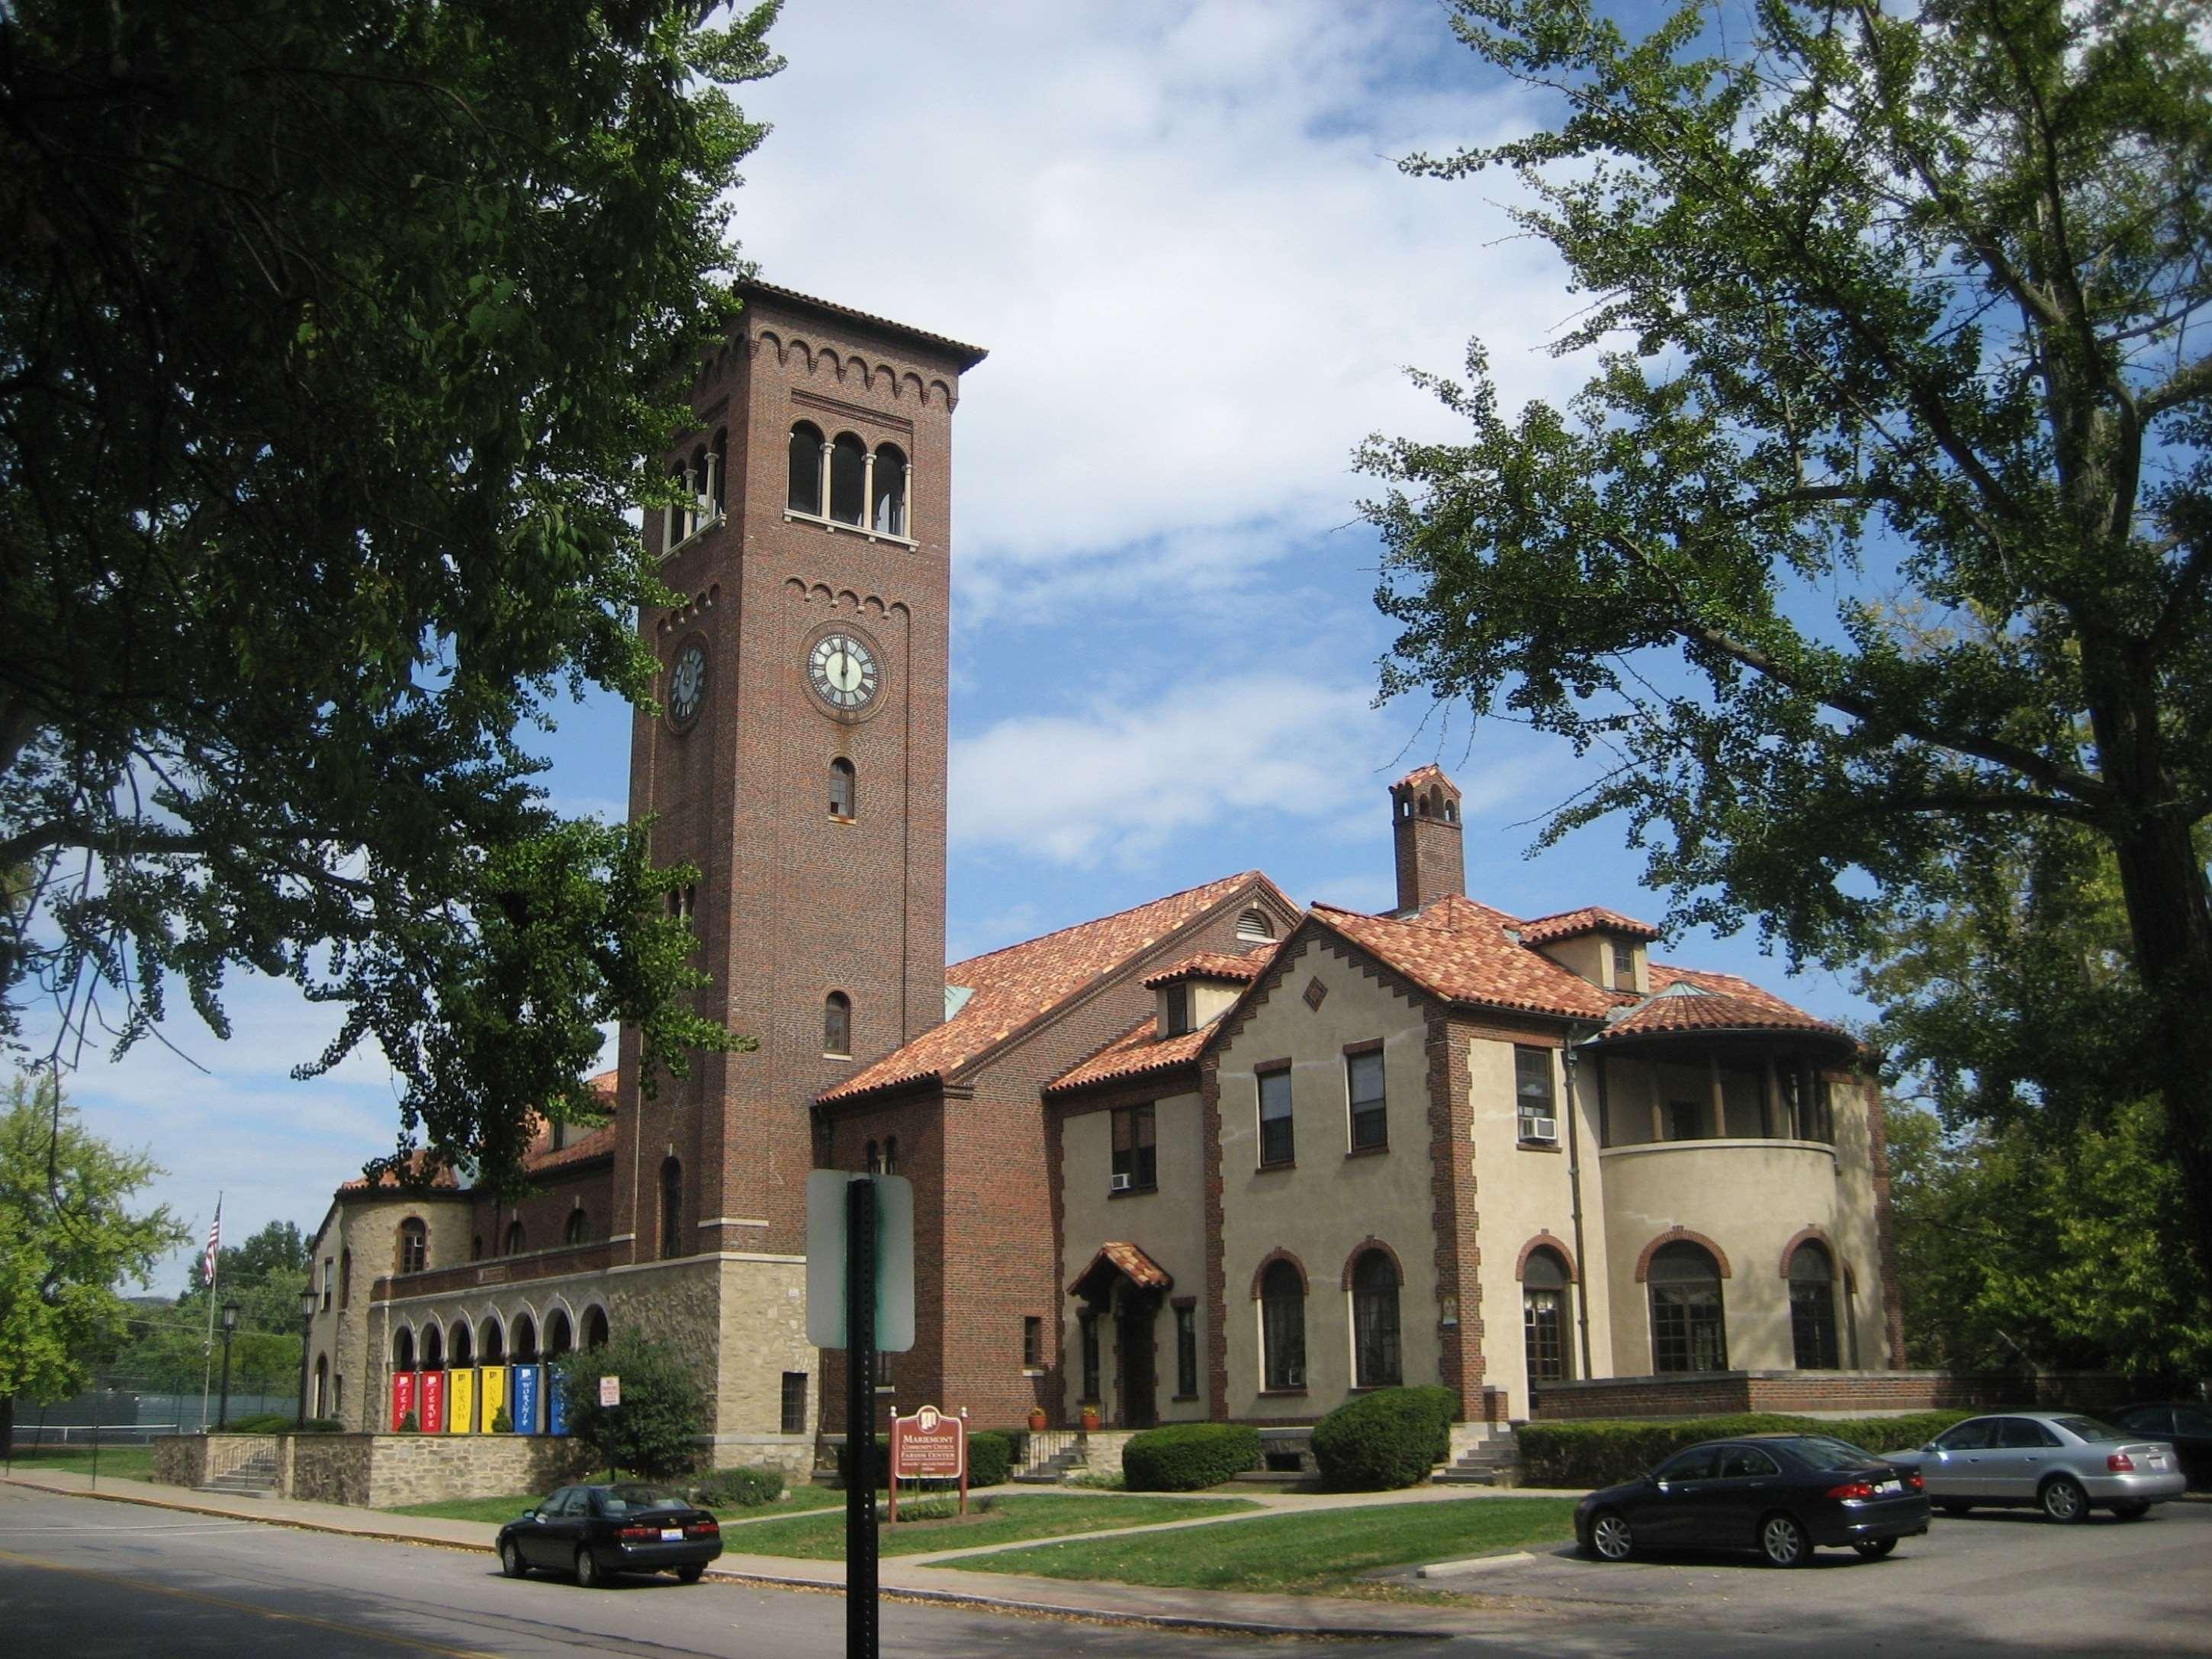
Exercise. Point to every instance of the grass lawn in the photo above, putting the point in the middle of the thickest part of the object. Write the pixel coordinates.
(1323, 1553)
(124, 1462)
(822, 1537)
(799, 1500)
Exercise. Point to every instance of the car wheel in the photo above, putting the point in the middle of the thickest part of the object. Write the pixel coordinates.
(1955, 1509)
(1611, 1537)
(2130, 1511)
(1782, 1541)
(690, 1575)
(2063, 1500)
(1874, 1548)
(510, 1560)
(588, 1576)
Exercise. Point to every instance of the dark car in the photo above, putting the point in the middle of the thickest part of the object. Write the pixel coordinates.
(1783, 1495)
(2185, 1424)
(598, 1531)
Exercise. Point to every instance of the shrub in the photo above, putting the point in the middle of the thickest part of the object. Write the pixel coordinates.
(283, 1423)
(1391, 1437)
(990, 1454)
(407, 1424)
(739, 1488)
(1188, 1457)
(1602, 1453)
(654, 1432)
(500, 1422)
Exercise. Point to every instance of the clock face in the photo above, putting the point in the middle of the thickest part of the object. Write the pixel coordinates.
(842, 671)
(687, 684)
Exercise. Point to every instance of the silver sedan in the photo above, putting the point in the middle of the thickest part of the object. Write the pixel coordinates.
(2062, 1462)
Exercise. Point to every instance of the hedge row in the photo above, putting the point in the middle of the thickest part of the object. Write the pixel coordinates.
(1391, 1437)
(743, 1487)
(1188, 1457)
(990, 1454)
(1604, 1452)
(283, 1423)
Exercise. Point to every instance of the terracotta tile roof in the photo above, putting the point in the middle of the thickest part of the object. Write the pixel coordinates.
(1136, 1052)
(1214, 964)
(1422, 776)
(540, 1158)
(1130, 1262)
(1015, 986)
(1590, 919)
(1460, 950)
(1693, 1000)
(597, 1143)
(444, 1179)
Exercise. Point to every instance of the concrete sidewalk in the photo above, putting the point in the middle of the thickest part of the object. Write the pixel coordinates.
(913, 1577)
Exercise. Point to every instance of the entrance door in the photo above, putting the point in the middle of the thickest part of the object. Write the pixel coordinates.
(1138, 1363)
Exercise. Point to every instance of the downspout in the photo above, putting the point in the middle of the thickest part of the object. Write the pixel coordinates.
(1575, 1193)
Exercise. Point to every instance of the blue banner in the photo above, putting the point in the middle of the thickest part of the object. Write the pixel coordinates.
(523, 1409)
(556, 1408)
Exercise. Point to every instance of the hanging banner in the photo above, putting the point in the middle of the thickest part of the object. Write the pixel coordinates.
(491, 1395)
(403, 1398)
(433, 1397)
(556, 1405)
(524, 1409)
(461, 1401)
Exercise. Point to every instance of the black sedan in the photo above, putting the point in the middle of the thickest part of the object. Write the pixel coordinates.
(1783, 1495)
(2185, 1424)
(595, 1531)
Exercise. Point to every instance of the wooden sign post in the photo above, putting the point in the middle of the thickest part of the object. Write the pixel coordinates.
(928, 1446)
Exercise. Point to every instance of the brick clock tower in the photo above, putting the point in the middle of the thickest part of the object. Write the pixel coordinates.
(799, 764)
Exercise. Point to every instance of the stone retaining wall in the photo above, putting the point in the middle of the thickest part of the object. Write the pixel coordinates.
(380, 1471)
(1835, 1393)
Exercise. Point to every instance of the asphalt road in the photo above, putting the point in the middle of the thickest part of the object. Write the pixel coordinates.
(81, 1579)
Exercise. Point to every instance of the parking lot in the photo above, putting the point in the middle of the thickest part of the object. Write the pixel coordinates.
(1992, 1579)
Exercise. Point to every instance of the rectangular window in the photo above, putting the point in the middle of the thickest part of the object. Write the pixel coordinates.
(1185, 1321)
(1541, 1326)
(794, 1402)
(1090, 1357)
(1178, 1000)
(1685, 1121)
(1136, 1167)
(1276, 1146)
(1532, 1093)
(330, 1275)
(1363, 1078)
(1033, 1343)
(1624, 967)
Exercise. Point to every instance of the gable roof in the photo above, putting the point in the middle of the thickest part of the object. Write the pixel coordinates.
(1464, 951)
(1590, 919)
(1014, 988)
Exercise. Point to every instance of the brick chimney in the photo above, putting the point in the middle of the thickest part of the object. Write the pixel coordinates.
(1424, 825)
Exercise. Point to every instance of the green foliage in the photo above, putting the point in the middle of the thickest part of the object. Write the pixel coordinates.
(341, 345)
(68, 1238)
(1188, 1457)
(1603, 1453)
(500, 1422)
(283, 1423)
(1391, 1437)
(407, 1424)
(167, 1347)
(739, 1488)
(654, 1432)
(1894, 302)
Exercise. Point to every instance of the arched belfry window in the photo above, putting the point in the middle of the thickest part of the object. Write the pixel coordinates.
(887, 510)
(1688, 1330)
(718, 467)
(848, 479)
(674, 524)
(837, 1024)
(844, 788)
(1813, 1308)
(672, 1203)
(1375, 1345)
(804, 494)
(703, 489)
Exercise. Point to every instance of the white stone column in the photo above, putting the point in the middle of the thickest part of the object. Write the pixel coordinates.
(868, 489)
(822, 489)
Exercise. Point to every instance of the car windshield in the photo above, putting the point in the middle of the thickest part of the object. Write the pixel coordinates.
(2090, 1428)
(1825, 1452)
(640, 1500)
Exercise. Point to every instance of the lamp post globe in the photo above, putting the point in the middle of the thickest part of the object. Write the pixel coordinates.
(229, 1330)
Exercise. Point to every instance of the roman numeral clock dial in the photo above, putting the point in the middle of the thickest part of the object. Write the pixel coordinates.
(842, 671)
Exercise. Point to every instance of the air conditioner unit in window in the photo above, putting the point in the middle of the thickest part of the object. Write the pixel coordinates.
(1117, 1184)
(1539, 1129)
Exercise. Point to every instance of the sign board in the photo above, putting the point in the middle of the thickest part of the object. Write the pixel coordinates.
(461, 1401)
(526, 1389)
(929, 1446)
(611, 1391)
(826, 1263)
(491, 1395)
(433, 1397)
(403, 1398)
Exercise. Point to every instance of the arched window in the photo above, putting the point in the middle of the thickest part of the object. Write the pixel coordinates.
(345, 1278)
(459, 1346)
(890, 1154)
(402, 1350)
(887, 513)
(1688, 1333)
(560, 1335)
(837, 1024)
(492, 1343)
(322, 1385)
(848, 479)
(702, 486)
(578, 1230)
(874, 1161)
(718, 467)
(476, 1247)
(1375, 1321)
(843, 788)
(1544, 1316)
(414, 1251)
(1283, 1325)
(513, 1239)
(525, 1339)
(1813, 1308)
(672, 1203)
(595, 1328)
(674, 524)
(1255, 923)
(1451, 811)
(804, 492)
(433, 1348)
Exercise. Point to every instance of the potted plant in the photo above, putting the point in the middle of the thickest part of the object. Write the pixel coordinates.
(1089, 1415)
(1036, 1418)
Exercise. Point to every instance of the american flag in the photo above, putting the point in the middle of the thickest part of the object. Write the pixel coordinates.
(213, 1243)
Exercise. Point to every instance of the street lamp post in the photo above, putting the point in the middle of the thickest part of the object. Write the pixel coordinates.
(307, 1333)
(229, 1330)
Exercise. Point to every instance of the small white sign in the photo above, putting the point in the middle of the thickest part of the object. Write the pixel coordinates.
(611, 1391)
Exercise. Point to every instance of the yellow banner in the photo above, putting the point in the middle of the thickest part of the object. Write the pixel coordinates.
(461, 1402)
(491, 1393)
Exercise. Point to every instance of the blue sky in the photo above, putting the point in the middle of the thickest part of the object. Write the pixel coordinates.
(1180, 232)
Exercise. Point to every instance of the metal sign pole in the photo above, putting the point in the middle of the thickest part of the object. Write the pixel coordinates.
(860, 1419)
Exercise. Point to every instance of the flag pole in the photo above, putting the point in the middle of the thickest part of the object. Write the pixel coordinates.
(213, 1269)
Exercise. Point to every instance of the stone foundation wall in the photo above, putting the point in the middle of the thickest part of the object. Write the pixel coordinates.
(381, 1471)
(1835, 1393)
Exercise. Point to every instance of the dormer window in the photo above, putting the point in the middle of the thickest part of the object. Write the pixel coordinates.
(1175, 1009)
(1624, 965)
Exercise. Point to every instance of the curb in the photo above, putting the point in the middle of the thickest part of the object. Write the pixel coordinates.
(1472, 1563)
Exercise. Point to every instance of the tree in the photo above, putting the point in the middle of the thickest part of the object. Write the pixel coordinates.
(334, 338)
(1889, 306)
(263, 1275)
(656, 1431)
(67, 1239)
